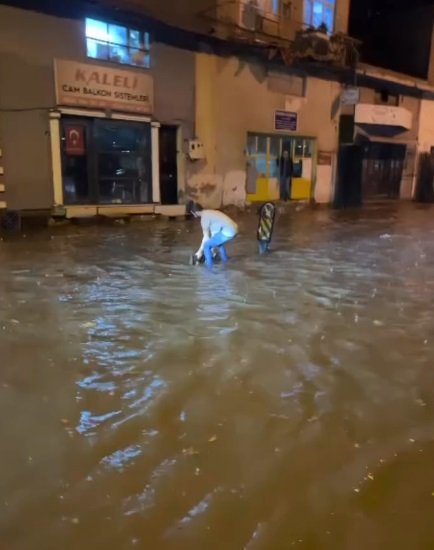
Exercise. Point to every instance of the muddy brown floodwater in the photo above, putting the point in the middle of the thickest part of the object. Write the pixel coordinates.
(275, 403)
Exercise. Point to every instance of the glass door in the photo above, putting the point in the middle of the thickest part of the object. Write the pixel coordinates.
(279, 166)
(123, 162)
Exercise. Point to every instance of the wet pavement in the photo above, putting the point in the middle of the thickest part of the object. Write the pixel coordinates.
(273, 403)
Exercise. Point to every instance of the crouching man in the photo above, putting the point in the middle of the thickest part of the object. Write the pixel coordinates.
(218, 229)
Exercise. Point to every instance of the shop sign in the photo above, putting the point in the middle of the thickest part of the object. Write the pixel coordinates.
(324, 158)
(74, 140)
(285, 120)
(97, 86)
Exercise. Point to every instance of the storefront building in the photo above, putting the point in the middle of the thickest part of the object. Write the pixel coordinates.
(106, 141)
(259, 127)
(98, 115)
(93, 118)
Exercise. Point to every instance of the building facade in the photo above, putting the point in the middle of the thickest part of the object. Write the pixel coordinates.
(85, 127)
(111, 112)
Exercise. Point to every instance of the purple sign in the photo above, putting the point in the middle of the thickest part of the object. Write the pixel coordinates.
(285, 120)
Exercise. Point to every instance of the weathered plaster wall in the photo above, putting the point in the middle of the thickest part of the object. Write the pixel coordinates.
(233, 98)
(27, 93)
(426, 126)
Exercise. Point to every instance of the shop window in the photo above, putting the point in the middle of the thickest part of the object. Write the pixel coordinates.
(320, 12)
(106, 161)
(251, 144)
(275, 152)
(275, 146)
(117, 43)
(298, 147)
(297, 169)
(265, 153)
(261, 166)
(303, 147)
(123, 167)
(262, 145)
(308, 148)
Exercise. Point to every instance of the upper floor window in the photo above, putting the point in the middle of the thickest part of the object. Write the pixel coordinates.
(266, 8)
(275, 7)
(117, 43)
(320, 12)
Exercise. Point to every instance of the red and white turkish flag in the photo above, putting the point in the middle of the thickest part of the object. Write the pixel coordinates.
(74, 140)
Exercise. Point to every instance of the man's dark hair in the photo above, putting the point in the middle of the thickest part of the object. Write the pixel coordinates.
(193, 207)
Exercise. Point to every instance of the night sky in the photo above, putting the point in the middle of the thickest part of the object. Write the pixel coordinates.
(396, 34)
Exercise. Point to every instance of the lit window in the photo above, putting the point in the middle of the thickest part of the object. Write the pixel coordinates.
(117, 43)
(275, 5)
(320, 12)
(268, 8)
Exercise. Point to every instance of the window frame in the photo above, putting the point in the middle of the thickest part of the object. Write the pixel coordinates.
(144, 43)
(275, 7)
(259, 147)
(269, 9)
(325, 4)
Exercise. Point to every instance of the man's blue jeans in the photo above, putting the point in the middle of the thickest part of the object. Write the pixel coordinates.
(216, 241)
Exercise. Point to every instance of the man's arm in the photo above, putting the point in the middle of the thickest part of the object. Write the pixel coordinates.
(206, 236)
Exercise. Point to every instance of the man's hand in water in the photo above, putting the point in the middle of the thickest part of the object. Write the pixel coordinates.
(196, 259)
(200, 258)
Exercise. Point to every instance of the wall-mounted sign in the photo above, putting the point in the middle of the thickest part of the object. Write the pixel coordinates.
(88, 85)
(74, 140)
(350, 96)
(285, 120)
(324, 158)
(383, 115)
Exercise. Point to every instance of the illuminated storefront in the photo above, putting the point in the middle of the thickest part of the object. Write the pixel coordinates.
(103, 137)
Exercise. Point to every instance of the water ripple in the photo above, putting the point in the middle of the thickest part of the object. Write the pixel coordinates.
(274, 402)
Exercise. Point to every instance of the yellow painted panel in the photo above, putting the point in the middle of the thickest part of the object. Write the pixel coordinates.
(273, 189)
(266, 190)
(301, 189)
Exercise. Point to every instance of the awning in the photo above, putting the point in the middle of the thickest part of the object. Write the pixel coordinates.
(383, 120)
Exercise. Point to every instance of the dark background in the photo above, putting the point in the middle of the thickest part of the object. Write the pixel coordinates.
(396, 34)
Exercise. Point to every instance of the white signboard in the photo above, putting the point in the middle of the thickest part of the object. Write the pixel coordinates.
(97, 86)
(385, 115)
(350, 96)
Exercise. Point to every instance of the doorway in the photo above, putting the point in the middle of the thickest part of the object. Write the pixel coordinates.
(348, 190)
(168, 164)
(382, 170)
(279, 166)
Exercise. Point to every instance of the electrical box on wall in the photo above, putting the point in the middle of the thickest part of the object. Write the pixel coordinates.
(196, 149)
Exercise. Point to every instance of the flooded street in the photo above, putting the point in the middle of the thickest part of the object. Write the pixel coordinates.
(273, 403)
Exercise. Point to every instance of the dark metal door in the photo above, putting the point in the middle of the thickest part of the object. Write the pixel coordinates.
(348, 192)
(168, 165)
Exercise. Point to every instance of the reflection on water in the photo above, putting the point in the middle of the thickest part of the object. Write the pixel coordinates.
(273, 403)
